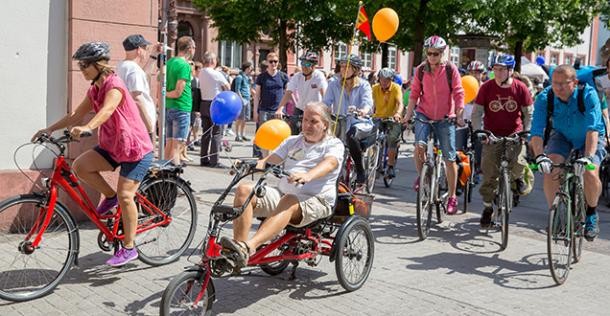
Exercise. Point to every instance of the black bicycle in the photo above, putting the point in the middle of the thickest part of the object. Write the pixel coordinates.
(504, 194)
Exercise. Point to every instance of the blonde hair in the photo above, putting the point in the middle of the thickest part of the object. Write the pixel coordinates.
(103, 66)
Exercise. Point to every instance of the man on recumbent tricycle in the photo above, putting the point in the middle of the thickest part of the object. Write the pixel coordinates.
(312, 160)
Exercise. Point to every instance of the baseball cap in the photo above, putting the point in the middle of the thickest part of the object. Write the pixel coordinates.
(134, 41)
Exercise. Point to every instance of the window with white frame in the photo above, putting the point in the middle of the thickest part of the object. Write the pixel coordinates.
(230, 54)
(454, 55)
(340, 51)
(392, 57)
(367, 58)
(567, 59)
(554, 59)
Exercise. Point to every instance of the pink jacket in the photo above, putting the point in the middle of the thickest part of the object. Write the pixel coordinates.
(123, 135)
(436, 101)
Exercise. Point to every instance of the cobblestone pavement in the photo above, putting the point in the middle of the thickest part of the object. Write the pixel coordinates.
(456, 271)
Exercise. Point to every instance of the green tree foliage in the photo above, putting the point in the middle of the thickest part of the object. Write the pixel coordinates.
(529, 25)
(521, 25)
(319, 22)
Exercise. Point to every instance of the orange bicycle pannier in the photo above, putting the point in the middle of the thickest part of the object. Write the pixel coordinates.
(464, 171)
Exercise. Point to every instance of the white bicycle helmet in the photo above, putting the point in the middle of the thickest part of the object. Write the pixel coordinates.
(435, 42)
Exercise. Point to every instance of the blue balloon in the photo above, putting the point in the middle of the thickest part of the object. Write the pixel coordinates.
(540, 60)
(398, 79)
(225, 107)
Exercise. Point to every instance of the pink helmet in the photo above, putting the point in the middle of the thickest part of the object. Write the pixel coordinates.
(436, 42)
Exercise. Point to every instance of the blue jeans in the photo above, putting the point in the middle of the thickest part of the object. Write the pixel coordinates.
(445, 135)
(177, 124)
(134, 170)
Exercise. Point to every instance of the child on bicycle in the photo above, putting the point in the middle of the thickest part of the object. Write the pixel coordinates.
(123, 141)
(387, 100)
(507, 106)
(437, 91)
(312, 159)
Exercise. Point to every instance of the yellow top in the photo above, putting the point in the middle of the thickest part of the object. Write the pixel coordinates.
(386, 102)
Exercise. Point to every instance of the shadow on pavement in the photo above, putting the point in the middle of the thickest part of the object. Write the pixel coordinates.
(529, 273)
(255, 286)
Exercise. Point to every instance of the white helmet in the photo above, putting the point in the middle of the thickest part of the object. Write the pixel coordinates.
(436, 42)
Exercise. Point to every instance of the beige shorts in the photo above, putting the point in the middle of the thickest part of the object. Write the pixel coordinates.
(312, 208)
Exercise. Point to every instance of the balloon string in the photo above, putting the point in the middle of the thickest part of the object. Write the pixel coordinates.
(209, 130)
(344, 75)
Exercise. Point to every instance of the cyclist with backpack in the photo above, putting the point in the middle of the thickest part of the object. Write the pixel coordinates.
(506, 104)
(437, 91)
(387, 98)
(569, 118)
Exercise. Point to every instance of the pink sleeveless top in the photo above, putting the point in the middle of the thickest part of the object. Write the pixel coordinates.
(123, 135)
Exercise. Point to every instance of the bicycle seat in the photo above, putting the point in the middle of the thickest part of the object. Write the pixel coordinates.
(164, 165)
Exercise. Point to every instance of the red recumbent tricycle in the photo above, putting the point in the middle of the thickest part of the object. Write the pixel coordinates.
(346, 238)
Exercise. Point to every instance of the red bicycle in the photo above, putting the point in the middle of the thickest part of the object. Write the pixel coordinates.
(346, 240)
(39, 238)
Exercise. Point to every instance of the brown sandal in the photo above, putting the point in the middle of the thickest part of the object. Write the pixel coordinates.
(240, 248)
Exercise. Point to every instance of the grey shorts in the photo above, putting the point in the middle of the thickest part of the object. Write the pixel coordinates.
(312, 208)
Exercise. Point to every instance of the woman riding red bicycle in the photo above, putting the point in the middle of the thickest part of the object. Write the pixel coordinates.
(123, 141)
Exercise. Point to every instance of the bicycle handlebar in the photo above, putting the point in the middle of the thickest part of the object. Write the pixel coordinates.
(563, 165)
(513, 138)
(60, 141)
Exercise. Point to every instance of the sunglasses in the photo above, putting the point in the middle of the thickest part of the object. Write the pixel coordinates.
(273, 61)
(83, 65)
(306, 64)
(435, 54)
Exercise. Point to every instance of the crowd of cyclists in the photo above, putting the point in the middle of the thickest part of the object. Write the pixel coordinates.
(561, 117)
(506, 103)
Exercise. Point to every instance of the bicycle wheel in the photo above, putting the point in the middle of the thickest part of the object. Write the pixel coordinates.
(354, 257)
(424, 202)
(442, 192)
(166, 243)
(27, 273)
(504, 205)
(181, 293)
(387, 180)
(578, 210)
(559, 240)
(370, 162)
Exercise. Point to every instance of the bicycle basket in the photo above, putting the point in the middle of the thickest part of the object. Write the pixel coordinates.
(360, 203)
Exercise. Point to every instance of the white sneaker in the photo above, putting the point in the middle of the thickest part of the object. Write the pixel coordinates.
(229, 132)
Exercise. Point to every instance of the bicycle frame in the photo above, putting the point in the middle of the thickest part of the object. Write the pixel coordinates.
(64, 178)
(212, 250)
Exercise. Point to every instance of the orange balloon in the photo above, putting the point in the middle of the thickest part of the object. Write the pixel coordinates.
(385, 24)
(271, 134)
(471, 88)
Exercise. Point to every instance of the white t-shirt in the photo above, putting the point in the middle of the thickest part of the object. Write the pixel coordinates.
(210, 83)
(307, 90)
(300, 156)
(136, 80)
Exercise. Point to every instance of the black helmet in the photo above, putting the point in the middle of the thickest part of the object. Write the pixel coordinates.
(354, 60)
(92, 52)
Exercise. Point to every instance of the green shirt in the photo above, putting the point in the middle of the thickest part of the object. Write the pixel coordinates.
(179, 69)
